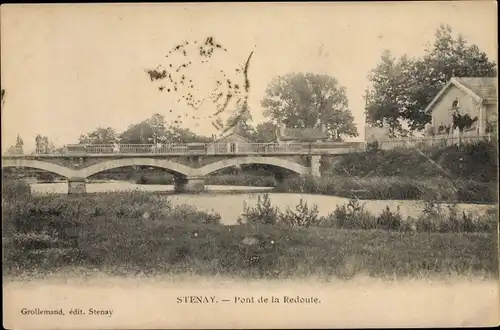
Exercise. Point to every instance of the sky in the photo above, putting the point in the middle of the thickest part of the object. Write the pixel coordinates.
(69, 69)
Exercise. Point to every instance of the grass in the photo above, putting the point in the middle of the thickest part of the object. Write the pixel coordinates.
(395, 188)
(477, 162)
(147, 235)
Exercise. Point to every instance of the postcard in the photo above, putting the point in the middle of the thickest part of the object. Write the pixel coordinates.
(250, 165)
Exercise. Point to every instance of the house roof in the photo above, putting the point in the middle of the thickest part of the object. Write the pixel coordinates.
(301, 134)
(481, 89)
(484, 87)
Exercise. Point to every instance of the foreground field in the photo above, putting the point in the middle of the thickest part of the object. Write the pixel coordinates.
(147, 235)
(280, 252)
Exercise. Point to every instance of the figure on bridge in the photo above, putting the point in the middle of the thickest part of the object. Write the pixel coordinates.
(157, 148)
(116, 148)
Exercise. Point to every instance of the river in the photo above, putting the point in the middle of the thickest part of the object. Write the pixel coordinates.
(233, 204)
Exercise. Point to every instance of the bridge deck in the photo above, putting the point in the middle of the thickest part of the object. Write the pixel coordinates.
(195, 149)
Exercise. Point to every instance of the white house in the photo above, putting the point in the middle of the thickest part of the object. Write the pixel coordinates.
(476, 96)
(230, 141)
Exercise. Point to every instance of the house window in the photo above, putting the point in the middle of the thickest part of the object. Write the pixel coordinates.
(455, 104)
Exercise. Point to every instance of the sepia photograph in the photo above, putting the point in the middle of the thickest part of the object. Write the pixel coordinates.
(250, 165)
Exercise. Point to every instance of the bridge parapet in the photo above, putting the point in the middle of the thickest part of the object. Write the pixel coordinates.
(89, 150)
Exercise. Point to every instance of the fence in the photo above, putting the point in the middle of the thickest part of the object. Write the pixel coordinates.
(437, 141)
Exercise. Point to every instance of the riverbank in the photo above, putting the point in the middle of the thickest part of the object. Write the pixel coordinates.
(149, 235)
(381, 188)
(396, 188)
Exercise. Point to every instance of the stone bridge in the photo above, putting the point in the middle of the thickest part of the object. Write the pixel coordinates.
(189, 167)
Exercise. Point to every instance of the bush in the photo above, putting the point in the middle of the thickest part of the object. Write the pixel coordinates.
(435, 219)
(263, 212)
(350, 216)
(304, 216)
(389, 220)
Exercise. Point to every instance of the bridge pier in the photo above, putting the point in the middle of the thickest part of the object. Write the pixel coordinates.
(189, 184)
(315, 166)
(76, 186)
(279, 178)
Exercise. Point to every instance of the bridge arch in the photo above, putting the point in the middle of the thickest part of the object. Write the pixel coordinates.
(278, 162)
(32, 163)
(116, 163)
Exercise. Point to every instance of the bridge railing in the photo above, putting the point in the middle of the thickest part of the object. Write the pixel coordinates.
(191, 148)
(130, 148)
(200, 148)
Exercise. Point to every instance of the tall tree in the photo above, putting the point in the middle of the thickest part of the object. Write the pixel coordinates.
(388, 99)
(44, 145)
(402, 89)
(184, 135)
(151, 130)
(299, 100)
(99, 136)
(265, 132)
(19, 141)
(156, 130)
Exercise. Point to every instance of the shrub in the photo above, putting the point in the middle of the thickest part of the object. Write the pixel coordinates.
(263, 212)
(350, 216)
(304, 216)
(389, 220)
